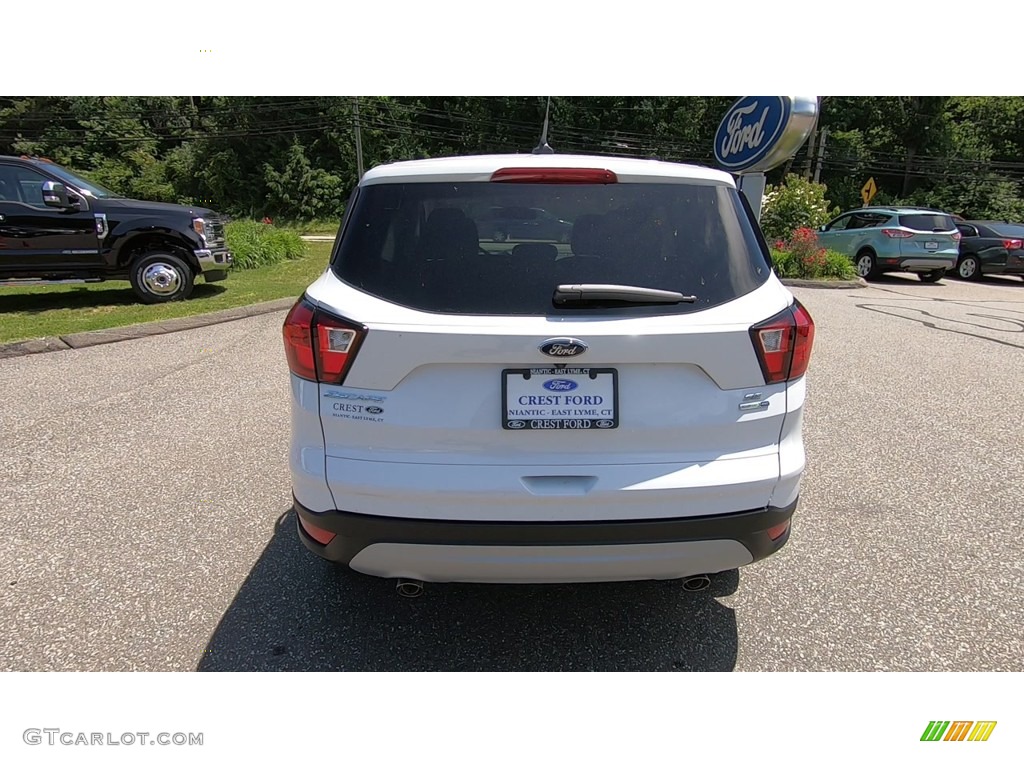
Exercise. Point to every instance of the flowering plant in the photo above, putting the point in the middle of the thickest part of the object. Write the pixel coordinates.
(802, 256)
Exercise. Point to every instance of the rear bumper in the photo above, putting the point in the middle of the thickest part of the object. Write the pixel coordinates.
(544, 552)
(922, 263)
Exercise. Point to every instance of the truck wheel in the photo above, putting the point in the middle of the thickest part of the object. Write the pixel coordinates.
(158, 276)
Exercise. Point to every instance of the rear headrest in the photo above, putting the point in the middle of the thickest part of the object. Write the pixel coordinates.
(449, 234)
(445, 217)
(587, 238)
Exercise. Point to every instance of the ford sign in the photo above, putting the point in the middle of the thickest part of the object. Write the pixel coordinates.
(563, 347)
(759, 133)
(560, 385)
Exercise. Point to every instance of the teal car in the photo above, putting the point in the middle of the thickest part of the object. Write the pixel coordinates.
(880, 240)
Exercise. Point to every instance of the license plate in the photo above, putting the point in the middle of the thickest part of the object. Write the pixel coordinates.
(931, 246)
(559, 398)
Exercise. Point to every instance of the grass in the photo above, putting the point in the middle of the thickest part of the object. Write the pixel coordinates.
(314, 227)
(29, 313)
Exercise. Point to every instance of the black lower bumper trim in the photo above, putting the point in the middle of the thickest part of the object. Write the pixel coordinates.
(354, 532)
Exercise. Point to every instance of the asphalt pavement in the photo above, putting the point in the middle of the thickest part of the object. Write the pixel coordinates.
(147, 527)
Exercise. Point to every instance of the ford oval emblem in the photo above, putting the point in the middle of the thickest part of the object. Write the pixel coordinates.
(516, 424)
(374, 409)
(760, 132)
(605, 423)
(560, 385)
(563, 347)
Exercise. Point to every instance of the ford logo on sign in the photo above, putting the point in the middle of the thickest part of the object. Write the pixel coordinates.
(560, 385)
(761, 132)
(563, 347)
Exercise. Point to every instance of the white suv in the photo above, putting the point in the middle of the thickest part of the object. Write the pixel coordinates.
(626, 405)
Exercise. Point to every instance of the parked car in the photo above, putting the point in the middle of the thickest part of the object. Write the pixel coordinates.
(523, 223)
(629, 410)
(56, 227)
(881, 240)
(990, 248)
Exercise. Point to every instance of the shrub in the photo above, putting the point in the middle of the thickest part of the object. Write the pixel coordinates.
(802, 257)
(838, 266)
(785, 264)
(793, 204)
(255, 244)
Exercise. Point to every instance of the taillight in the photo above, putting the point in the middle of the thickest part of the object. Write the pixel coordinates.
(957, 236)
(298, 340)
(555, 175)
(898, 233)
(783, 344)
(336, 346)
(1012, 245)
(319, 345)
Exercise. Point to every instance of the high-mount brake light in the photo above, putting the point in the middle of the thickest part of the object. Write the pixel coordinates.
(783, 344)
(555, 175)
(319, 345)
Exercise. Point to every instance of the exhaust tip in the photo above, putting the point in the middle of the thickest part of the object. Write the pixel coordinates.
(696, 583)
(409, 588)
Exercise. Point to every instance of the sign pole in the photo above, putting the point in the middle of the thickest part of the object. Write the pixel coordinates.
(752, 186)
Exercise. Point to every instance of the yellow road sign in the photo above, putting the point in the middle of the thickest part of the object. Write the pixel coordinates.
(868, 191)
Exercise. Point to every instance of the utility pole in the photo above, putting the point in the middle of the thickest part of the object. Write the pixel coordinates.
(817, 135)
(821, 155)
(809, 164)
(359, 138)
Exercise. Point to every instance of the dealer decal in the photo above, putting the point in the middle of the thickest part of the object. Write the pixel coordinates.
(356, 406)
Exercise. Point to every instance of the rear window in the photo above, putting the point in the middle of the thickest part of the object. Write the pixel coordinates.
(928, 222)
(493, 248)
(1008, 230)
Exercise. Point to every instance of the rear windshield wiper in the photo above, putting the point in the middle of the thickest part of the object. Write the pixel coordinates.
(594, 293)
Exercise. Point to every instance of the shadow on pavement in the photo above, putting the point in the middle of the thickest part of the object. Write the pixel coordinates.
(295, 612)
(905, 278)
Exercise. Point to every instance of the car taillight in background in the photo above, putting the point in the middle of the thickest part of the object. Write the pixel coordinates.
(783, 344)
(1013, 245)
(319, 346)
(898, 233)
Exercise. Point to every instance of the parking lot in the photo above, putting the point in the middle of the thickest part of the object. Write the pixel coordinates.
(147, 526)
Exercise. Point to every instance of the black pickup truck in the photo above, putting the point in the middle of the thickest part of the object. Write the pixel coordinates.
(56, 227)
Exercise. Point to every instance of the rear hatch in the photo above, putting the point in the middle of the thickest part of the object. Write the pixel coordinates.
(929, 234)
(464, 353)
